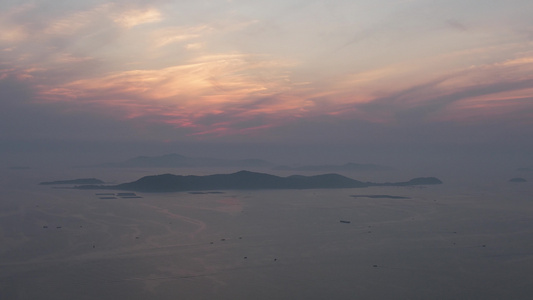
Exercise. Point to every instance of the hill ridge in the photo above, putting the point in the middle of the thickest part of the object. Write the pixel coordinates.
(247, 180)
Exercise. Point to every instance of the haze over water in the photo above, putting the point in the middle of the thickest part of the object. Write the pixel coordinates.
(442, 242)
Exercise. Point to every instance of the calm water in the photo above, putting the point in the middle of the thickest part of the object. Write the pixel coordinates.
(454, 241)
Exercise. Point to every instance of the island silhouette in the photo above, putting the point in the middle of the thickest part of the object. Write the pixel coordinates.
(246, 180)
(74, 181)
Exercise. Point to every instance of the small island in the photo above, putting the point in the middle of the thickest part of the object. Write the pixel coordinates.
(74, 181)
(517, 180)
(380, 196)
(246, 180)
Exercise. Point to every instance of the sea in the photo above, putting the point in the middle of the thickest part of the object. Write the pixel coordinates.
(469, 238)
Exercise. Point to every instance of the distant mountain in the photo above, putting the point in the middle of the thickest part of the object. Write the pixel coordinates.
(415, 181)
(517, 179)
(335, 168)
(246, 180)
(74, 181)
(180, 161)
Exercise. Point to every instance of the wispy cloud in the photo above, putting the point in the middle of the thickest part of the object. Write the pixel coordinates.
(434, 98)
(217, 85)
(233, 68)
(135, 17)
(166, 36)
(456, 24)
(71, 23)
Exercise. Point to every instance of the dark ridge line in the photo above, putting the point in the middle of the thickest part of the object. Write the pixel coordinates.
(246, 180)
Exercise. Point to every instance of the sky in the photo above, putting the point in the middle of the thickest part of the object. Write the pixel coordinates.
(232, 74)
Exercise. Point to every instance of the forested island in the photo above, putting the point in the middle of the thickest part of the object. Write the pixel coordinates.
(246, 180)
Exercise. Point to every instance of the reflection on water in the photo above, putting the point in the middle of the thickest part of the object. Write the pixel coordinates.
(439, 242)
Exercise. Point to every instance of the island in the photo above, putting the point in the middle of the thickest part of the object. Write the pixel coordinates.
(517, 180)
(246, 180)
(380, 196)
(74, 181)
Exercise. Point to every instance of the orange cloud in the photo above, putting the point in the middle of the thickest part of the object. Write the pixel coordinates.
(243, 94)
(166, 36)
(235, 86)
(71, 23)
(135, 17)
(515, 105)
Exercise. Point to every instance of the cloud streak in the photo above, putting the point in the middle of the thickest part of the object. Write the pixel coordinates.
(248, 69)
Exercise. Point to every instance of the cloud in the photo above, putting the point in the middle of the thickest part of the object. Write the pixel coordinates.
(233, 85)
(194, 46)
(455, 24)
(237, 94)
(165, 36)
(23, 117)
(165, 72)
(135, 17)
(432, 99)
(71, 23)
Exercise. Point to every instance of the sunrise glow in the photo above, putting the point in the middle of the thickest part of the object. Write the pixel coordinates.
(236, 68)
